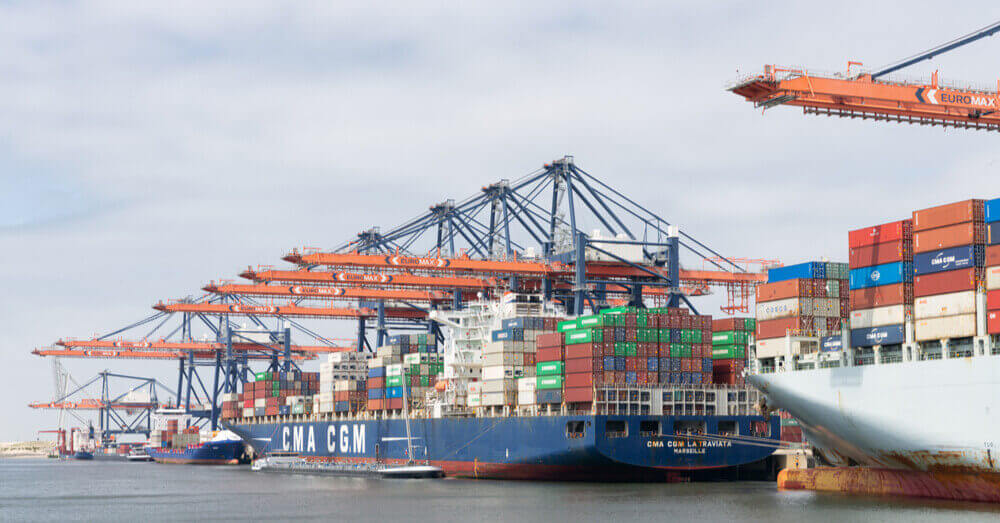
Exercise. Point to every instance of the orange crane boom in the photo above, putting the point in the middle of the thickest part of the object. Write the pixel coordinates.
(325, 292)
(147, 354)
(289, 310)
(865, 97)
(400, 261)
(203, 346)
(351, 278)
(91, 405)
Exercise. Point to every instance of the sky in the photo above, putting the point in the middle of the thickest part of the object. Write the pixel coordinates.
(147, 149)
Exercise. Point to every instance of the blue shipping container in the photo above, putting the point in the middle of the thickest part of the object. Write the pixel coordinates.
(675, 364)
(620, 363)
(376, 394)
(284, 410)
(948, 259)
(992, 208)
(549, 395)
(394, 392)
(888, 335)
(831, 343)
(631, 376)
(609, 363)
(513, 323)
(664, 364)
(885, 274)
(706, 364)
(653, 364)
(376, 372)
(341, 406)
(799, 270)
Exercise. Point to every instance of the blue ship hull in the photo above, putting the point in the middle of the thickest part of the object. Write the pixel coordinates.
(535, 447)
(209, 453)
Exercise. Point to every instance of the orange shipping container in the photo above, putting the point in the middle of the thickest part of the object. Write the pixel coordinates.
(784, 289)
(780, 327)
(950, 214)
(950, 236)
(993, 256)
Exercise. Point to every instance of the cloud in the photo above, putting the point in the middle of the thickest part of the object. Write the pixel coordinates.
(145, 150)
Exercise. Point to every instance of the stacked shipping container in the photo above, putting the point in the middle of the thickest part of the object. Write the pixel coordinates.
(341, 383)
(949, 251)
(730, 348)
(269, 393)
(388, 373)
(881, 261)
(992, 262)
(509, 356)
(807, 299)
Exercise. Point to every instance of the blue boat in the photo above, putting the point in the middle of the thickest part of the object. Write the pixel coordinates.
(83, 455)
(556, 447)
(224, 452)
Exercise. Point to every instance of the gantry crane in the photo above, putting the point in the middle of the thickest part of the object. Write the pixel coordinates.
(873, 95)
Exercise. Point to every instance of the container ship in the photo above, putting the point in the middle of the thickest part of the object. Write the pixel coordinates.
(912, 382)
(519, 392)
(189, 446)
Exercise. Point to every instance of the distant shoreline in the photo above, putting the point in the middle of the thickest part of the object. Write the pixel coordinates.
(26, 449)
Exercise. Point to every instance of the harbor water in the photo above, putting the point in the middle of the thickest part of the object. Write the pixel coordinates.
(49, 490)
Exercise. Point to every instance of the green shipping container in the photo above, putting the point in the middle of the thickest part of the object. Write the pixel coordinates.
(728, 352)
(549, 368)
(749, 324)
(589, 322)
(631, 348)
(583, 336)
(620, 348)
(275, 393)
(549, 382)
(260, 376)
(298, 409)
(568, 325)
(730, 338)
(394, 381)
(613, 311)
(425, 381)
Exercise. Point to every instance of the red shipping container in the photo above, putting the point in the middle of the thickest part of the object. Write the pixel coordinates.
(578, 395)
(781, 290)
(549, 354)
(652, 378)
(581, 350)
(951, 236)
(375, 404)
(529, 359)
(780, 327)
(549, 339)
(608, 377)
(630, 363)
(944, 282)
(727, 324)
(886, 232)
(376, 383)
(880, 296)
(949, 214)
(640, 377)
(687, 322)
(579, 365)
(394, 403)
(878, 254)
(993, 256)
(579, 379)
(993, 322)
(993, 300)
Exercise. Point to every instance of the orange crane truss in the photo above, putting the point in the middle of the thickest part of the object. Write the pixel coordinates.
(204, 346)
(862, 97)
(87, 404)
(350, 278)
(400, 261)
(290, 310)
(146, 354)
(325, 292)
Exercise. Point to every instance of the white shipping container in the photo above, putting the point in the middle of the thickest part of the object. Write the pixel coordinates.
(993, 278)
(492, 386)
(396, 369)
(950, 304)
(325, 397)
(498, 372)
(503, 358)
(260, 403)
(878, 317)
(497, 398)
(326, 407)
(475, 387)
(525, 384)
(325, 368)
(326, 386)
(786, 308)
(526, 397)
(960, 326)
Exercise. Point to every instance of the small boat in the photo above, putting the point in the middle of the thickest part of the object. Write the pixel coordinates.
(292, 463)
(138, 455)
(83, 455)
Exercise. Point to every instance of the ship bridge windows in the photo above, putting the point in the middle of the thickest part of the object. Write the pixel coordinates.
(689, 429)
(649, 428)
(729, 427)
(615, 428)
(576, 429)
